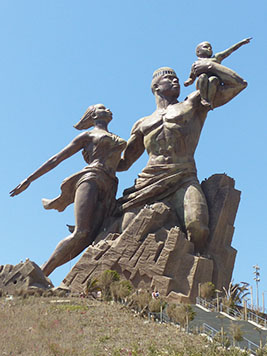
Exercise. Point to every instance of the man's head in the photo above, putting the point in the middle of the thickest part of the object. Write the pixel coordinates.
(204, 50)
(165, 82)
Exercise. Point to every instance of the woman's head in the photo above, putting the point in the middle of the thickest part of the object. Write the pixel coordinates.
(93, 113)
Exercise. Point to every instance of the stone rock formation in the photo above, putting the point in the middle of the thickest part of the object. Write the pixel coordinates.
(149, 249)
(25, 275)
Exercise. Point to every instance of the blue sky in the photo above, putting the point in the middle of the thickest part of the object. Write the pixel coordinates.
(58, 58)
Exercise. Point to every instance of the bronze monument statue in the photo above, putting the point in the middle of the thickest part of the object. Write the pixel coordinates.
(172, 233)
(209, 81)
(92, 190)
(170, 136)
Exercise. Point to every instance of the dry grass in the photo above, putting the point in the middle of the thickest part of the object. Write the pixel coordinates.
(83, 327)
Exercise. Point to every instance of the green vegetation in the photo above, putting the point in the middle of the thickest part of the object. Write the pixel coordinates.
(87, 327)
(39, 323)
(235, 294)
(207, 290)
(181, 314)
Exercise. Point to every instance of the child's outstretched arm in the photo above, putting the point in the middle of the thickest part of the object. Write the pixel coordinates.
(224, 54)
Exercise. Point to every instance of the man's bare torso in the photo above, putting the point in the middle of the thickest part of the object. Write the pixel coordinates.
(171, 135)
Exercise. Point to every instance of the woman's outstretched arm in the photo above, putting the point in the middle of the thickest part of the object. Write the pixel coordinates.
(76, 145)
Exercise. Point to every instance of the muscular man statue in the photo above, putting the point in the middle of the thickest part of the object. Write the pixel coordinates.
(170, 136)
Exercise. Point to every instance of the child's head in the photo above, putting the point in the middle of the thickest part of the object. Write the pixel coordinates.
(204, 50)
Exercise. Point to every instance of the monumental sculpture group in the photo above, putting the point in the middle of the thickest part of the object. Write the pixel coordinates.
(167, 232)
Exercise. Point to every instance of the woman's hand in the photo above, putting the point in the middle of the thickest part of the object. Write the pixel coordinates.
(20, 188)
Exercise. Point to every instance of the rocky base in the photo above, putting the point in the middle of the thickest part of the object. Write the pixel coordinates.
(148, 248)
(25, 275)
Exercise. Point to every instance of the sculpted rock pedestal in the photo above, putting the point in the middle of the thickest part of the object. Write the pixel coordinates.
(25, 275)
(153, 252)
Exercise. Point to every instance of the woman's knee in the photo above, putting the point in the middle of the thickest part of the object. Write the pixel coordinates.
(81, 234)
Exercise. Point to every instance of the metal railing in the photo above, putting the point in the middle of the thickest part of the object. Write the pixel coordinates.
(206, 329)
(209, 330)
(236, 313)
(245, 343)
(161, 317)
(257, 319)
(204, 303)
(251, 346)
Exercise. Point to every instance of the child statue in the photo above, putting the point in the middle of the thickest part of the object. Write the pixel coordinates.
(208, 82)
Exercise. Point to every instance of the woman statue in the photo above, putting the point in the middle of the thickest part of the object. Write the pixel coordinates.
(92, 190)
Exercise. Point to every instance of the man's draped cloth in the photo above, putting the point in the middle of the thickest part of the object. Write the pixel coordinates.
(158, 182)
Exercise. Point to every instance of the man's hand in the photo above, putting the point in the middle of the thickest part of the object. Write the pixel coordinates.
(203, 67)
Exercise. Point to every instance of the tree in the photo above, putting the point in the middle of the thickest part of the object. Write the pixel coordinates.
(91, 286)
(235, 294)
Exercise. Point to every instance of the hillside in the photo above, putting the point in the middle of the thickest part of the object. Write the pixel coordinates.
(83, 327)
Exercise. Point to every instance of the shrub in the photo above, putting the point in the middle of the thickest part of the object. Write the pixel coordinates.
(141, 300)
(182, 314)
(236, 333)
(207, 290)
(155, 305)
(105, 280)
(121, 289)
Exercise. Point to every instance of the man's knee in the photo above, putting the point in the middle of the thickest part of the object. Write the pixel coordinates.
(198, 233)
(214, 81)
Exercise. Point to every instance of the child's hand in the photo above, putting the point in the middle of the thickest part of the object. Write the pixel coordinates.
(247, 40)
(189, 81)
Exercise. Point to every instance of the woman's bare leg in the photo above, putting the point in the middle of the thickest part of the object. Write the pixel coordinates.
(85, 206)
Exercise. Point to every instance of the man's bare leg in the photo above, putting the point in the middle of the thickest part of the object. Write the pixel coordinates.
(192, 209)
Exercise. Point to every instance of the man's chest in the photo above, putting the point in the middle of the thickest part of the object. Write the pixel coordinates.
(172, 119)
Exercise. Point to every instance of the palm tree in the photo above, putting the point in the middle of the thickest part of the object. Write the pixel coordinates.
(235, 294)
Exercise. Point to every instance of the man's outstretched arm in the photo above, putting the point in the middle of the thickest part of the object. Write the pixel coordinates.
(233, 84)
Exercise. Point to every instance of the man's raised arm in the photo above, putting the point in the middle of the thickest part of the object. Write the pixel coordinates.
(232, 83)
(134, 149)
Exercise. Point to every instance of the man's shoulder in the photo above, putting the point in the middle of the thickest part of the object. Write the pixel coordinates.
(193, 98)
(137, 127)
